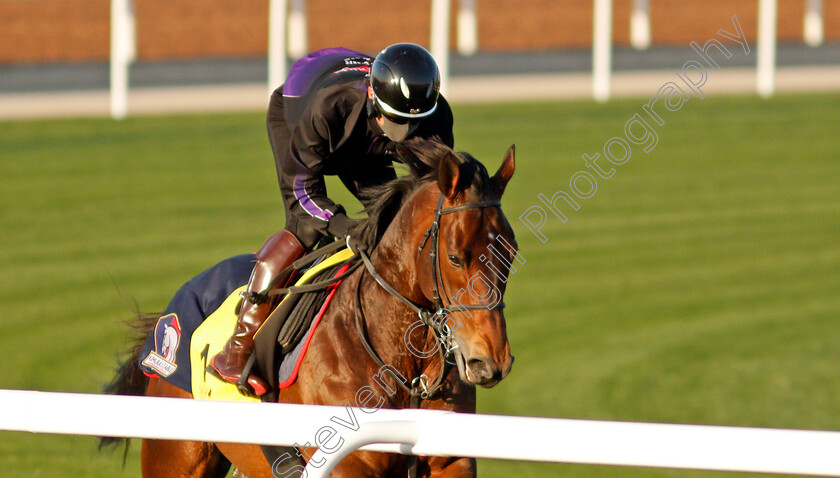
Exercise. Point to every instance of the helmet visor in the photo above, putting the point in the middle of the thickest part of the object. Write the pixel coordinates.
(395, 127)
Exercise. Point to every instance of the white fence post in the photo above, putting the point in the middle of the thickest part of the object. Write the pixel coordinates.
(640, 25)
(814, 34)
(276, 43)
(131, 33)
(440, 39)
(297, 29)
(402, 432)
(123, 52)
(766, 68)
(601, 50)
(467, 27)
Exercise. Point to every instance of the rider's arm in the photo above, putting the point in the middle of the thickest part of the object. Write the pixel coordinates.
(318, 134)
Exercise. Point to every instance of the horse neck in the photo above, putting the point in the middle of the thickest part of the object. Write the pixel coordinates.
(395, 259)
(396, 255)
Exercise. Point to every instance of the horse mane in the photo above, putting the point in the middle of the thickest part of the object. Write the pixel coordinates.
(422, 158)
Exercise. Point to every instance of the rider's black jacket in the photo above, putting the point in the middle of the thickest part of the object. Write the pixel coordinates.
(319, 123)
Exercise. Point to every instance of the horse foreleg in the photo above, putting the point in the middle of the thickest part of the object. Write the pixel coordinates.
(452, 467)
(186, 459)
(249, 460)
(363, 465)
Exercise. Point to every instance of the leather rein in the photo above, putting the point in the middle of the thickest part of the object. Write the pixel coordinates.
(435, 318)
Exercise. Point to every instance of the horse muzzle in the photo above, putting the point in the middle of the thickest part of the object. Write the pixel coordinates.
(481, 370)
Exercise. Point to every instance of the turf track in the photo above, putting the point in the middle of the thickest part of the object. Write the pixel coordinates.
(698, 285)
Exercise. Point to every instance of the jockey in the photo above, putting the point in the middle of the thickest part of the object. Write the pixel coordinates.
(340, 113)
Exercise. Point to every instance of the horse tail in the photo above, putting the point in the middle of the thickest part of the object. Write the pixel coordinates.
(129, 379)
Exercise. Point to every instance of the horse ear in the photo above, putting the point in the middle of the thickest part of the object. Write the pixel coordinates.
(449, 175)
(505, 171)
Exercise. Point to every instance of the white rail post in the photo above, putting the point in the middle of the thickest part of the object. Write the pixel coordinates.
(766, 68)
(123, 50)
(467, 27)
(601, 50)
(640, 25)
(814, 33)
(297, 29)
(402, 432)
(440, 39)
(276, 43)
(131, 33)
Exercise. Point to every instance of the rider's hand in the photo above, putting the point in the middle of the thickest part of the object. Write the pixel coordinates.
(340, 225)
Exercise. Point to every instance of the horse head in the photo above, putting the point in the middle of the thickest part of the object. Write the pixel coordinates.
(476, 252)
(464, 249)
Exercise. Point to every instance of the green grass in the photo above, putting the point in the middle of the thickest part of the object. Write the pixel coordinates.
(699, 284)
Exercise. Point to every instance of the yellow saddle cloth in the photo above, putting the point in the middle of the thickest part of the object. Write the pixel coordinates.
(210, 338)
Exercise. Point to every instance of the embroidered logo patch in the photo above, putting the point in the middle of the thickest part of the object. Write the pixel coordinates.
(167, 339)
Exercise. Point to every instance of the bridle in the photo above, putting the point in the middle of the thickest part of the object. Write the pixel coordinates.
(434, 318)
(433, 233)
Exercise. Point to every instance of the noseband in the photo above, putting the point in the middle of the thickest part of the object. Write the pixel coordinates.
(433, 318)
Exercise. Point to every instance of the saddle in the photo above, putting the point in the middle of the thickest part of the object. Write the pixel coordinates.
(279, 343)
(293, 319)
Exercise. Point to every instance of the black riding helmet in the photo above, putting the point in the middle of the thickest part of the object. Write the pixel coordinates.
(406, 83)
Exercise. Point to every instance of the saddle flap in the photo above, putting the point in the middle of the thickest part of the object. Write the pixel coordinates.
(289, 322)
(300, 318)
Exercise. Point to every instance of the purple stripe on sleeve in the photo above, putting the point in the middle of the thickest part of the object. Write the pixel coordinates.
(306, 202)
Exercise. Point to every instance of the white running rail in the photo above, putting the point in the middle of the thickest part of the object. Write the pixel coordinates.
(426, 432)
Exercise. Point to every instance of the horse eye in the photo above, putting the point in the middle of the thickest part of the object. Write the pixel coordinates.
(454, 260)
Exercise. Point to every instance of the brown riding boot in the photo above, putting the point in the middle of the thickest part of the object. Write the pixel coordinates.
(279, 252)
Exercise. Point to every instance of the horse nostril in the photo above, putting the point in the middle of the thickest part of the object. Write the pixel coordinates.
(480, 369)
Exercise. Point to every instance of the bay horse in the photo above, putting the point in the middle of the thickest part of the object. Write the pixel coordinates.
(437, 230)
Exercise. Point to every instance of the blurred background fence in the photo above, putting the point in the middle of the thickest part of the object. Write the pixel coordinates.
(36, 31)
(66, 46)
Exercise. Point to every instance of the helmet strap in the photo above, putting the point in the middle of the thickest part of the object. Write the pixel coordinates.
(371, 109)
